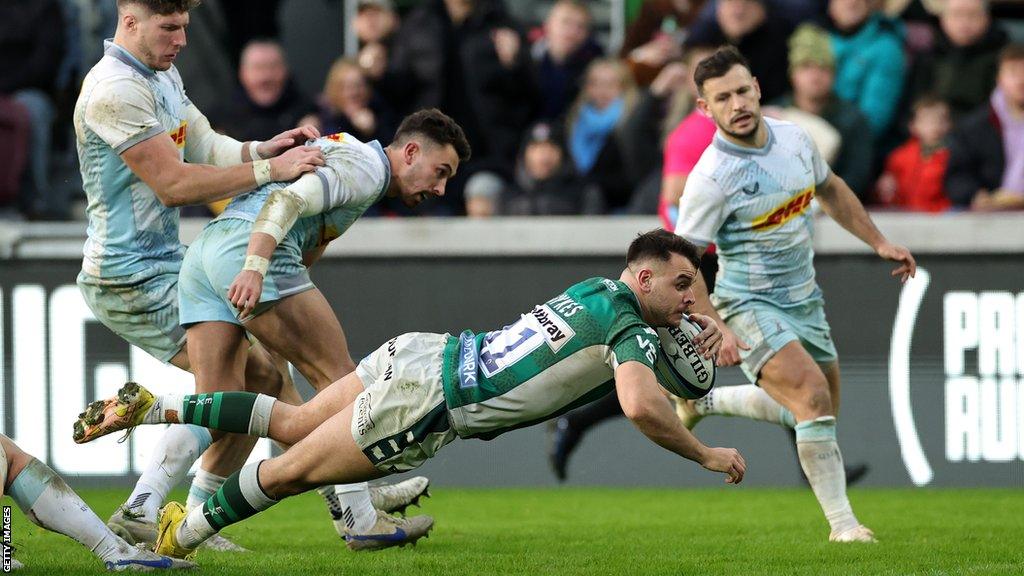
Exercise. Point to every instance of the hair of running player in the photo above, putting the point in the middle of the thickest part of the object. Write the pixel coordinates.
(660, 244)
(161, 7)
(718, 65)
(437, 127)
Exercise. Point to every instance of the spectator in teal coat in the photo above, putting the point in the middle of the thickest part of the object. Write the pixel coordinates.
(870, 64)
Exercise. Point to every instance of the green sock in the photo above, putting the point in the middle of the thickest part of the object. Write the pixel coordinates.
(241, 412)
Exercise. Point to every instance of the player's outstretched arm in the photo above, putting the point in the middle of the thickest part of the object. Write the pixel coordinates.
(157, 163)
(842, 205)
(643, 403)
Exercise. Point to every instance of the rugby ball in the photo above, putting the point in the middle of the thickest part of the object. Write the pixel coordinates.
(680, 368)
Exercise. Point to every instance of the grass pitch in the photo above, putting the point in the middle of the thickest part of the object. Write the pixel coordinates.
(611, 531)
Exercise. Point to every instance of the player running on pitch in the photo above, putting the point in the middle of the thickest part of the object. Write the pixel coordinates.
(420, 391)
(425, 153)
(750, 194)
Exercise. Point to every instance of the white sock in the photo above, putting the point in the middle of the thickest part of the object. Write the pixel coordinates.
(51, 504)
(203, 486)
(748, 401)
(173, 455)
(166, 408)
(823, 465)
(350, 506)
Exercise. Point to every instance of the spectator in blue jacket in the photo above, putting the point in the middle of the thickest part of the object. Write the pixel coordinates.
(870, 64)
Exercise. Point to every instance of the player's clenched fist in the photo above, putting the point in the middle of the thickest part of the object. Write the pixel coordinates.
(295, 163)
(245, 291)
(728, 461)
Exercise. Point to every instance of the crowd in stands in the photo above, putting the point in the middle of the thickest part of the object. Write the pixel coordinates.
(917, 104)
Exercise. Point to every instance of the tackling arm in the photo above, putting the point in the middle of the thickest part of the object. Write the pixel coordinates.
(644, 404)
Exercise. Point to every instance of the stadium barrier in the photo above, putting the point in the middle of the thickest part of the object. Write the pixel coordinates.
(933, 393)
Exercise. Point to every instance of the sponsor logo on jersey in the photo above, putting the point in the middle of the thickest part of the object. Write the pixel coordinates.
(556, 331)
(179, 135)
(565, 305)
(467, 360)
(337, 137)
(750, 191)
(364, 423)
(784, 212)
(609, 284)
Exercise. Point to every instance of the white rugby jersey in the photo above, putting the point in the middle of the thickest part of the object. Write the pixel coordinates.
(355, 175)
(754, 203)
(122, 103)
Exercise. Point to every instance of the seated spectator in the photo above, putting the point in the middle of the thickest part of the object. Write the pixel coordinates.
(758, 33)
(684, 145)
(349, 105)
(961, 69)
(914, 172)
(812, 74)
(545, 181)
(593, 124)
(657, 35)
(561, 55)
(267, 101)
(986, 151)
(870, 64)
(32, 40)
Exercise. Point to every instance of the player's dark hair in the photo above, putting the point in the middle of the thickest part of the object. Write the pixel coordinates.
(661, 244)
(437, 127)
(1011, 52)
(928, 100)
(718, 65)
(162, 7)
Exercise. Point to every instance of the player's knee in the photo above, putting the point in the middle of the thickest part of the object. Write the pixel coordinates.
(814, 394)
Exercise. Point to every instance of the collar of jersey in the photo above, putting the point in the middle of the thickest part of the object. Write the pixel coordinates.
(387, 166)
(118, 52)
(725, 146)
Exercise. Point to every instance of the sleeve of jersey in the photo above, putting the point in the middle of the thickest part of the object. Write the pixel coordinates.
(122, 112)
(701, 210)
(205, 146)
(821, 169)
(639, 344)
(354, 173)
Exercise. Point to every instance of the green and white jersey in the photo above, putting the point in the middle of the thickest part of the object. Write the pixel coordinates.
(561, 355)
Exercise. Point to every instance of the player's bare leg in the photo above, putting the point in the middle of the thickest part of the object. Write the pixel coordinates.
(322, 359)
(221, 361)
(48, 502)
(793, 379)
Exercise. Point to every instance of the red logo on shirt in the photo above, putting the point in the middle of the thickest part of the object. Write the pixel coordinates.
(179, 135)
(785, 212)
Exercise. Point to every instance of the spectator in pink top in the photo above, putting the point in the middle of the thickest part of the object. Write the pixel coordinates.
(683, 147)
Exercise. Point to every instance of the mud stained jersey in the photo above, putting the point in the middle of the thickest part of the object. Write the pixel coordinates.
(560, 355)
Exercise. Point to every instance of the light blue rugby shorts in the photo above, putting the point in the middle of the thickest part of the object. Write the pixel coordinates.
(217, 256)
(766, 328)
(142, 308)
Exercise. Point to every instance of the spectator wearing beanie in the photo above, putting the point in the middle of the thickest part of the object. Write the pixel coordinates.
(812, 74)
